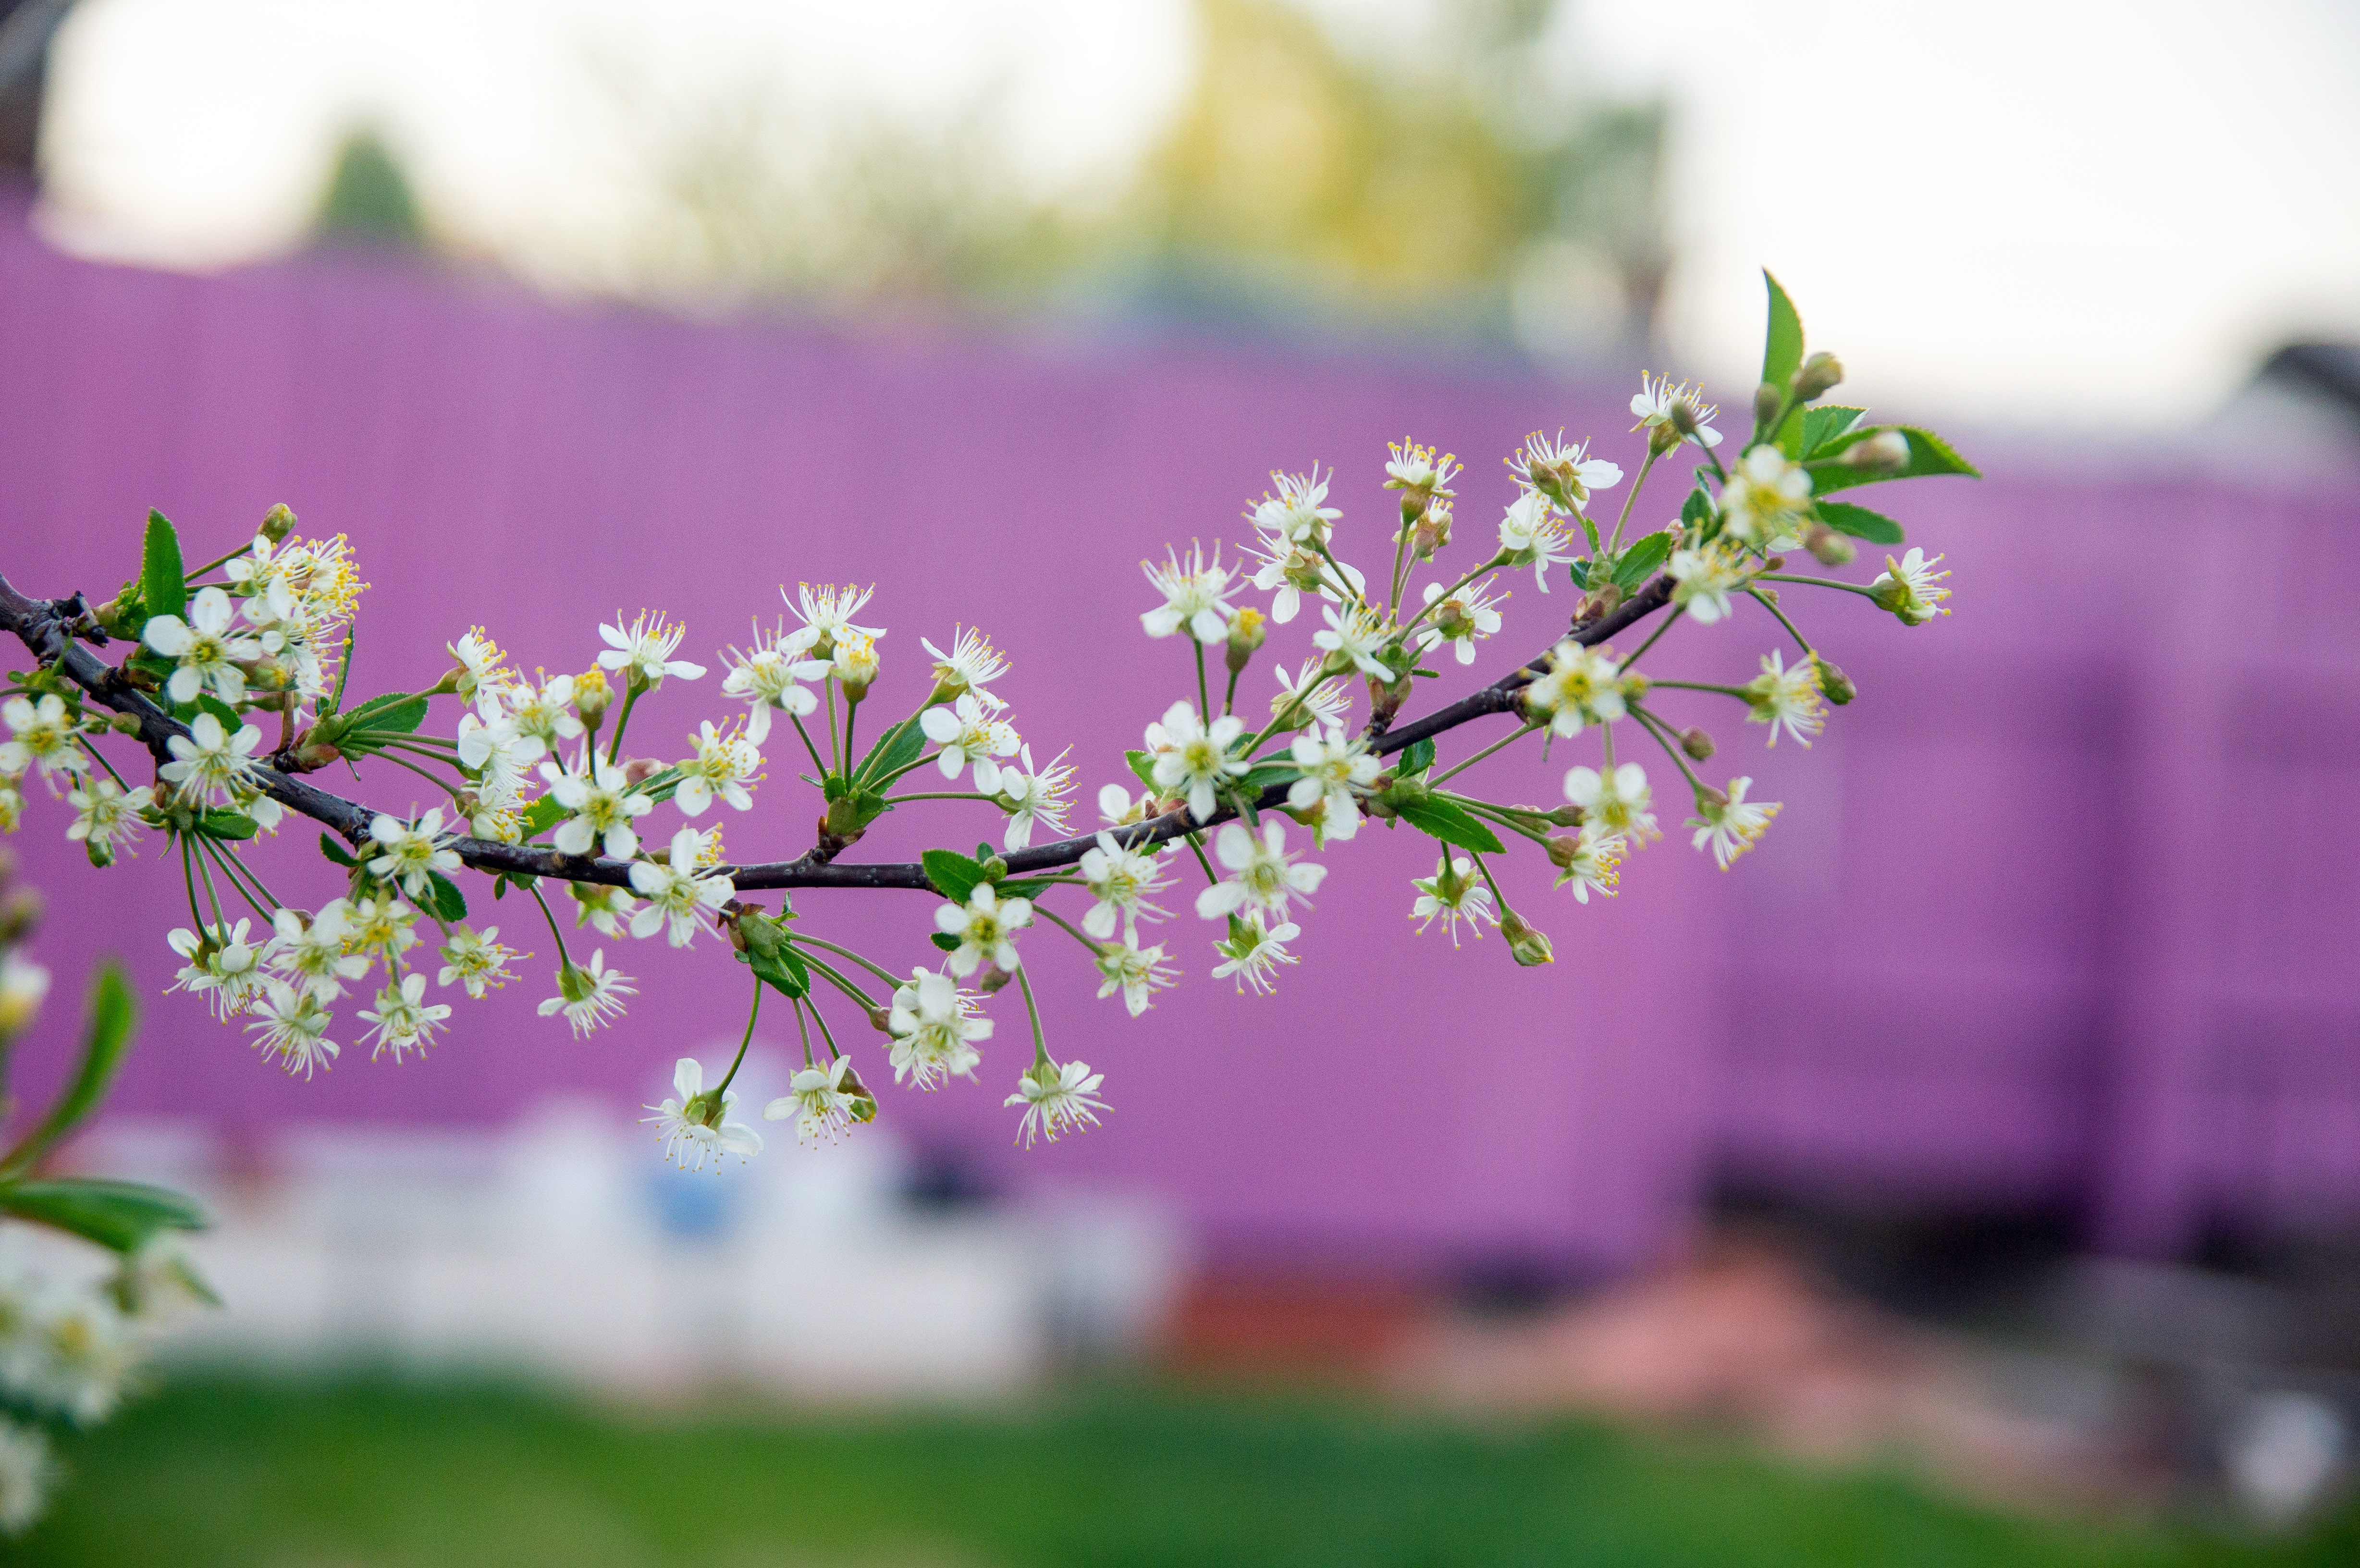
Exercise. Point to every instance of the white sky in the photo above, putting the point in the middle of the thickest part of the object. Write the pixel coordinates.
(2080, 210)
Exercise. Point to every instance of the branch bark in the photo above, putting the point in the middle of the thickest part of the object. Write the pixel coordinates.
(50, 629)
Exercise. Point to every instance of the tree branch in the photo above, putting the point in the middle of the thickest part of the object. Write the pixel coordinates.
(48, 629)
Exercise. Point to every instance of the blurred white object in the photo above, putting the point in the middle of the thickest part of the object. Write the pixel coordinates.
(564, 1246)
(2282, 1453)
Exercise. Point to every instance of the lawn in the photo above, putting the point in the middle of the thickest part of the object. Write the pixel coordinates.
(380, 1473)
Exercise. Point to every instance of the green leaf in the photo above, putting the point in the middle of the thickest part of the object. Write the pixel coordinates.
(163, 582)
(207, 702)
(953, 874)
(1032, 888)
(336, 852)
(119, 1215)
(397, 713)
(449, 902)
(1450, 822)
(1639, 562)
(1257, 779)
(542, 816)
(1823, 425)
(1578, 570)
(1782, 345)
(1144, 764)
(895, 749)
(218, 823)
(944, 939)
(1417, 759)
(106, 1036)
(1930, 454)
(1698, 508)
(1859, 522)
(781, 968)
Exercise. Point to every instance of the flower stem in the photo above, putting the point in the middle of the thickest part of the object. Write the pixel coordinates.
(1657, 728)
(804, 1028)
(1075, 932)
(212, 898)
(1633, 499)
(1738, 691)
(1662, 627)
(1230, 697)
(1033, 1010)
(622, 720)
(834, 743)
(1197, 847)
(1203, 697)
(1520, 733)
(808, 746)
(807, 939)
(836, 979)
(1864, 592)
(751, 1013)
(564, 960)
(821, 1019)
(1800, 639)
(936, 795)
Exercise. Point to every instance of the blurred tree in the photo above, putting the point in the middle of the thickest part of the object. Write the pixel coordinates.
(368, 200)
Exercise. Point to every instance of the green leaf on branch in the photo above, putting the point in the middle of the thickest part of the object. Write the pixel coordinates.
(450, 904)
(207, 702)
(1859, 522)
(1257, 779)
(1578, 570)
(118, 1215)
(217, 822)
(1417, 759)
(1698, 510)
(542, 816)
(106, 1036)
(360, 732)
(944, 939)
(1823, 425)
(895, 749)
(336, 852)
(781, 968)
(1450, 822)
(163, 585)
(1639, 562)
(1782, 355)
(1144, 764)
(953, 874)
(1929, 455)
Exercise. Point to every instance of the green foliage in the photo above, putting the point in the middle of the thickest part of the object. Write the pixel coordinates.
(1450, 822)
(163, 587)
(336, 852)
(1639, 560)
(360, 732)
(106, 1036)
(1929, 455)
(216, 821)
(118, 1215)
(953, 874)
(1418, 757)
(1823, 425)
(944, 939)
(448, 903)
(542, 816)
(1142, 763)
(1698, 510)
(1859, 522)
(767, 952)
(895, 749)
(1782, 355)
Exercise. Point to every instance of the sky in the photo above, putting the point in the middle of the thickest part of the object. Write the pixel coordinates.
(2076, 214)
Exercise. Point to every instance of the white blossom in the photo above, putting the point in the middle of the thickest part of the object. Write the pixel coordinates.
(971, 664)
(1766, 500)
(1787, 699)
(383, 925)
(641, 652)
(480, 963)
(1616, 801)
(315, 955)
(1906, 587)
(818, 1101)
(542, 715)
(1033, 795)
(589, 997)
(1137, 972)
(934, 1026)
(827, 613)
(1116, 809)
(605, 909)
(482, 667)
(293, 1022)
(1704, 578)
(986, 926)
(691, 1125)
(1336, 771)
(676, 893)
(1415, 468)
(1587, 860)
(1057, 1100)
(1731, 825)
(1308, 697)
(1360, 634)
(1287, 571)
(1254, 951)
(411, 854)
(856, 662)
(1293, 512)
(210, 767)
(1193, 762)
(1454, 893)
(1263, 875)
(207, 652)
(770, 675)
(970, 732)
(1470, 614)
(1563, 472)
(1531, 535)
(1657, 397)
(23, 984)
(41, 733)
(219, 965)
(603, 806)
(725, 761)
(405, 1020)
(81, 1350)
(1196, 596)
(1581, 686)
(106, 816)
(1120, 880)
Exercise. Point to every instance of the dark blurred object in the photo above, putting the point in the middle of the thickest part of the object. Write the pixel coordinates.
(2301, 411)
(26, 28)
(1283, 1322)
(2327, 372)
(369, 202)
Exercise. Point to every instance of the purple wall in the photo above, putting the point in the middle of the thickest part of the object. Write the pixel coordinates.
(2063, 908)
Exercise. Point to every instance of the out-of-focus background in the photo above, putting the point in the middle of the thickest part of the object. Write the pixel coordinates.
(1972, 1174)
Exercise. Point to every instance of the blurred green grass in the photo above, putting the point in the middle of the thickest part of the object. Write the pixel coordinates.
(383, 1472)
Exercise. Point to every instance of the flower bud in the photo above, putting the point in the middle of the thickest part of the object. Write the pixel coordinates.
(1820, 374)
(881, 1019)
(1248, 630)
(1828, 547)
(1563, 850)
(1528, 944)
(1683, 416)
(864, 1102)
(992, 978)
(1600, 602)
(1696, 744)
(278, 523)
(447, 685)
(1661, 436)
(1433, 530)
(637, 770)
(1767, 399)
(1885, 450)
(995, 869)
(124, 723)
(1834, 684)
(1565, 816)
(592, 695)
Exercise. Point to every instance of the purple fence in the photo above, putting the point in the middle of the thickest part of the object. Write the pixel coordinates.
(2061, 909)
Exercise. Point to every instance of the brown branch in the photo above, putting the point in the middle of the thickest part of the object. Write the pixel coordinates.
(49, 628)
